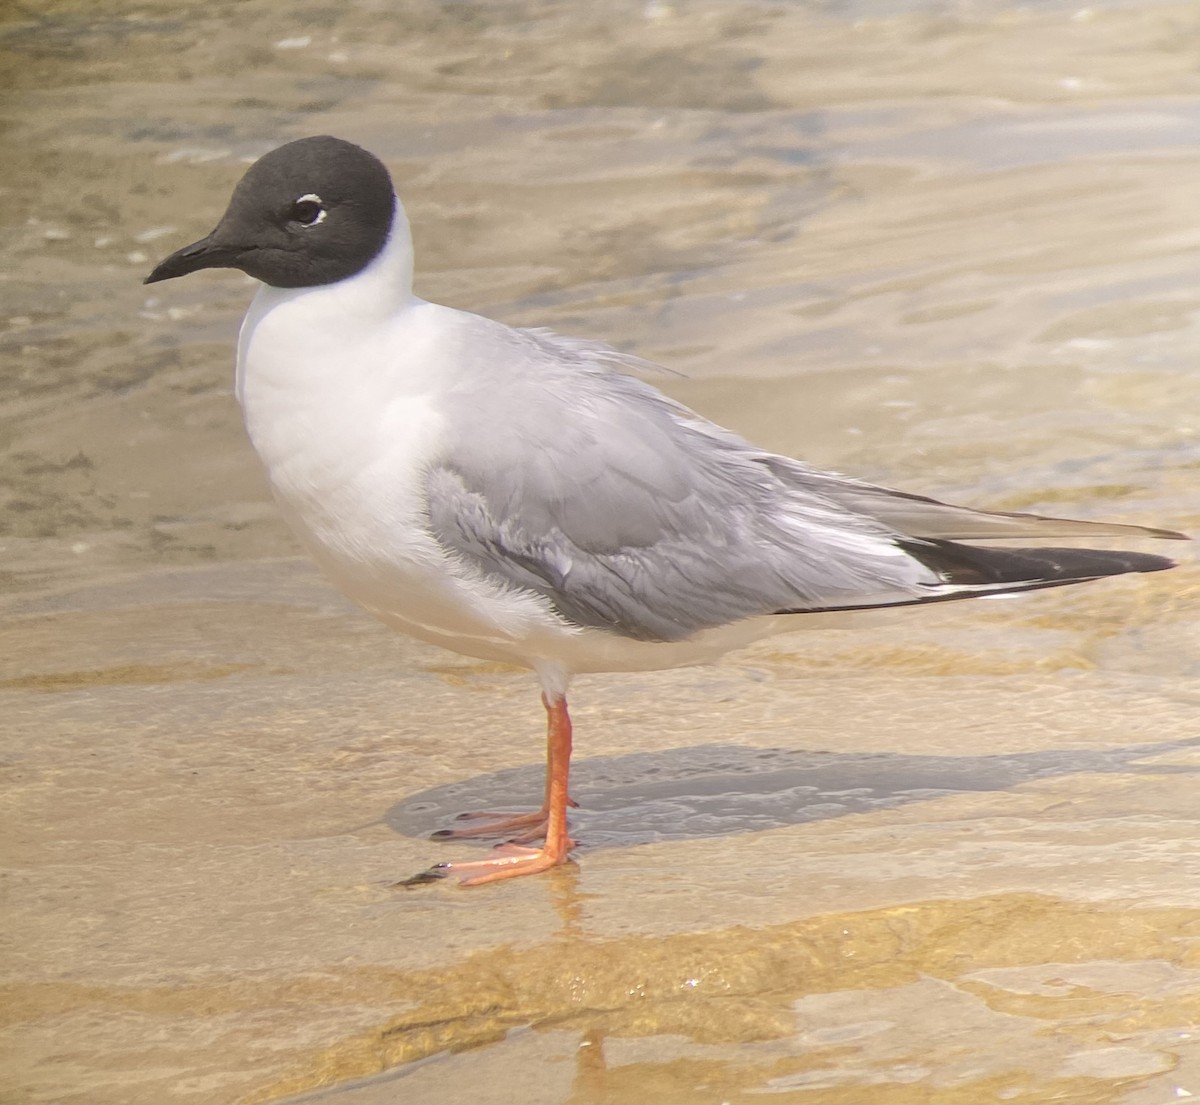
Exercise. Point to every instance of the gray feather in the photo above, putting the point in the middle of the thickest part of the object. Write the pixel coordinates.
(631, 513)
(919, 516)
(628, 512)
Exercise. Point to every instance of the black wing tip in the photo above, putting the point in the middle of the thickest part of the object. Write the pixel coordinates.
(978, 565)
(1162, 563)
(981, 571)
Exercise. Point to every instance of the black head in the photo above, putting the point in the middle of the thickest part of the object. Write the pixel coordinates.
(312, 212)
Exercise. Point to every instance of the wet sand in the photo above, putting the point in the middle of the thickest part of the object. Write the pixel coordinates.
(930, 856)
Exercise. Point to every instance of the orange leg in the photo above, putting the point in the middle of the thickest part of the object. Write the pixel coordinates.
(511, 860)
(535, 824)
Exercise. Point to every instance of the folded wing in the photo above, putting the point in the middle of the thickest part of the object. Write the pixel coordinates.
(630, 513)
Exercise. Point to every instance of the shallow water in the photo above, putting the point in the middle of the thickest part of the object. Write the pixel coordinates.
(930, 856)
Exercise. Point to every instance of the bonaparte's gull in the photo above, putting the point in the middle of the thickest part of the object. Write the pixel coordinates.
(515, 495)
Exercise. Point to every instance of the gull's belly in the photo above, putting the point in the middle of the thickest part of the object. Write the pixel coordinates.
(365, 526)
(404, 587)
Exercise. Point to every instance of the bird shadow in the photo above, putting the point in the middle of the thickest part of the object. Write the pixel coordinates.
(723, 790)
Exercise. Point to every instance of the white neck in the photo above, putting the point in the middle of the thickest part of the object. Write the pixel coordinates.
(306, 325)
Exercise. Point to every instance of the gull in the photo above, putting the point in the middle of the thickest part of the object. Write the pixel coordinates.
(515, 495)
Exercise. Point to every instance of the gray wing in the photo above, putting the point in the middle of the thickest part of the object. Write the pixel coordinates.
(631, 513)
(919, 516)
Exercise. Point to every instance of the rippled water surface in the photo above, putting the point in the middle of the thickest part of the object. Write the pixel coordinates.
(934, 856)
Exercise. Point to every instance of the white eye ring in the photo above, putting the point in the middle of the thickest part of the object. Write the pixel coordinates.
(311, 197)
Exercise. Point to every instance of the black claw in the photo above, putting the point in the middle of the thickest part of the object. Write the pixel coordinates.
(441, 834)
(423, 878)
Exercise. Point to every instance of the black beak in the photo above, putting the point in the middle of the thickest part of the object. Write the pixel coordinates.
(208, 253)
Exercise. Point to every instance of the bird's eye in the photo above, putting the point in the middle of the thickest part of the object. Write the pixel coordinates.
(307, 211)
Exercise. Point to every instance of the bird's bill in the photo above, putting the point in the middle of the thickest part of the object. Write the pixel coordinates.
(208, 253)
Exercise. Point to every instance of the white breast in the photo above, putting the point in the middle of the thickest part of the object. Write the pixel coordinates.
(341, 404)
